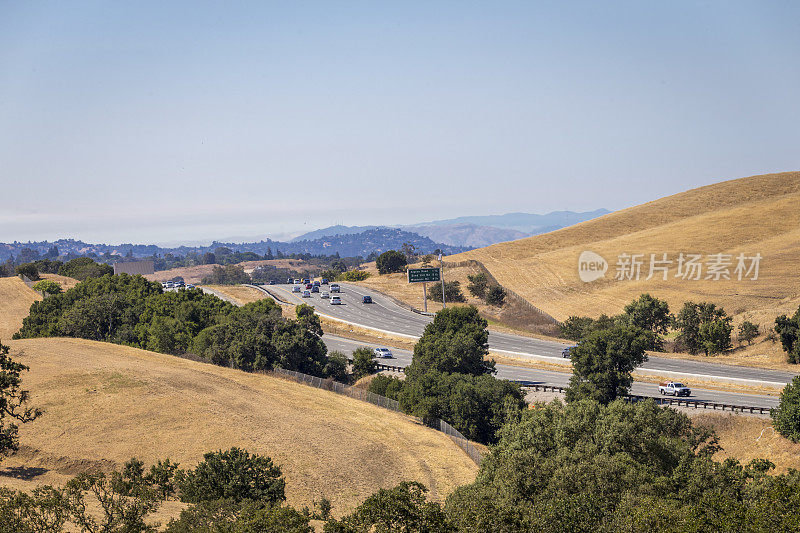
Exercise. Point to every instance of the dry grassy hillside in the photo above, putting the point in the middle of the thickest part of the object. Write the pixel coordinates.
(105, 403)
(15, 302)
(751, 215)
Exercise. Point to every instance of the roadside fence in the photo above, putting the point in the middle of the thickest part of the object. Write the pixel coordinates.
(382, 401)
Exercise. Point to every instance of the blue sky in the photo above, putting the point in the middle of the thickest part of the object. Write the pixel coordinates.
(153, 121)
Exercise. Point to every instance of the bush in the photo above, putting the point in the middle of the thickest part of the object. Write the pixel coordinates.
(387, 386)
(354, 275)
(477, 406)
(390, 262)
(83, 268)
(496, 295)
(28, 270)
(452, 292)
(478, 283)
(227, 275)
(234, 474)
(336, 367)
(786, 418)
(49, 286)
(403, 508)
(788, 329)
(747, 332)
(363, 363)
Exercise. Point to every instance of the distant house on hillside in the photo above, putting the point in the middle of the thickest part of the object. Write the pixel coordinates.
(134, 267)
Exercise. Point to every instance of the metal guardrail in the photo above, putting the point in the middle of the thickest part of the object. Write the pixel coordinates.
(666, 400)
(386, 403)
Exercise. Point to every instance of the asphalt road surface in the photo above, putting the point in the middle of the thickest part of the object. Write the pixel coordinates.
(386, 315)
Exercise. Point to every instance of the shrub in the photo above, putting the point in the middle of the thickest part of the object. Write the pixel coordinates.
(387, 386)
(452, 292)
(478, 283)
(788, 329)
(354, 275)
(82, 268)
(786, 418)
(28, 270)
(390, 262)
(747, 332)
(496, 295)
(363, 363)
(227, 275)
(234, 474)
(49, 286)
(336, 367)
(476, 405)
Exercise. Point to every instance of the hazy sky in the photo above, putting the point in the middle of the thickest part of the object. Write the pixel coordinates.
(163, 121)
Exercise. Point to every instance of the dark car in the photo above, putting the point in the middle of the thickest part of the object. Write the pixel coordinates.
(272, 282)
(366, 299)
(290, 281)
(324, 281)
(316, 284)
(567, 353)
(315, 288)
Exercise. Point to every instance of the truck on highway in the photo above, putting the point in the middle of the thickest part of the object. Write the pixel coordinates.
(673, 388)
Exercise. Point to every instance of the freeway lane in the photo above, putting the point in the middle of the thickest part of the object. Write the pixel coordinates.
(384, 314)
(402, 358)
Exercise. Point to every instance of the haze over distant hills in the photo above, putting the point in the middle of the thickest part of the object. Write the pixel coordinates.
(474, 231)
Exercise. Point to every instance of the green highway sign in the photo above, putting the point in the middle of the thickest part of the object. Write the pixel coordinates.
(423, 275)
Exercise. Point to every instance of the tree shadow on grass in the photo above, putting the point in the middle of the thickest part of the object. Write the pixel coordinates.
(25, 473)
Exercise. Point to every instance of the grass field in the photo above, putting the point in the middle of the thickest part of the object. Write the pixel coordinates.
(105, 403)
(745, 438)
(241, 294)
(751, 215)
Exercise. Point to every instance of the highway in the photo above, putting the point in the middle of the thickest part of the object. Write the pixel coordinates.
(402, 358)
(387, 316)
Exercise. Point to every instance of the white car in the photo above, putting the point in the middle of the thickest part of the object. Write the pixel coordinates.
(336, 300)
(306, 294)
(296, 288)
(335, 287)
(383, 353)
(325, 294)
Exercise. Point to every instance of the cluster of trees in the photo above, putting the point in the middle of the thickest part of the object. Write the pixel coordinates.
(133, 311)
(449, 378)
(702, 327)
(227, 275)
(231, 491)
(479, 287)
(80, 268)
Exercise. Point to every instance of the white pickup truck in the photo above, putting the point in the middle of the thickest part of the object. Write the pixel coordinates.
(674, 388)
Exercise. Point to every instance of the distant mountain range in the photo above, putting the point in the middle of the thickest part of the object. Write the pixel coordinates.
(451, 236)
(477, 231)
(363, 243)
